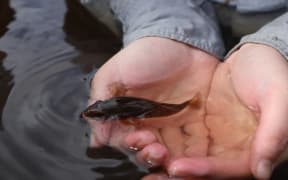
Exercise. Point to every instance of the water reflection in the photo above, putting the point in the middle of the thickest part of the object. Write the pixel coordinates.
(42, 136)
(5, 85)
(6, 16)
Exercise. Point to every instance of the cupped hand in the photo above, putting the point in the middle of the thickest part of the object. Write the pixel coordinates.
(209, 140)
(231, 127)
(164, 71)
(259, 75)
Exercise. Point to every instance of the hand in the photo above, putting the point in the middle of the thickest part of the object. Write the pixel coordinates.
(165, 71)
(165, 83)
(260, 77)
(231, 127)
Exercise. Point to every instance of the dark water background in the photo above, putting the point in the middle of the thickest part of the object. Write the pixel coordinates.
(47, 48)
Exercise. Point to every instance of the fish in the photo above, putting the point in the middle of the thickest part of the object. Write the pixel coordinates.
(125, 107)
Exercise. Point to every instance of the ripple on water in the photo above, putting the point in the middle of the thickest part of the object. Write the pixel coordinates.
(43, 137)
(45, 126)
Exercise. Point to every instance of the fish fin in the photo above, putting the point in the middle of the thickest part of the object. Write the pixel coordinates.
(117, 89)
(195, 102)
(129, 121)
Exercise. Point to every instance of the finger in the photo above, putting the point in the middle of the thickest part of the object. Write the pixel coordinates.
(271, 136)
(173, 138)
(157, 176)
(210, 167)
(153, 155)
(164, 176)
(137, 140)
(106, 82)
(100, 133)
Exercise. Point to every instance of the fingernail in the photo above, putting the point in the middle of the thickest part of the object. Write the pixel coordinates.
(131, 148)
(264, 169)
(173, 172)
(151, 163)
(180, 169)
(152, 160)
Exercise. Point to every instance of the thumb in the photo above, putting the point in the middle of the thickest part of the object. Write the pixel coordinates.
(106, 83)
(271, 137)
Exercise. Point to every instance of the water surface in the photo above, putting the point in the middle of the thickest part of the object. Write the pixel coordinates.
(47, 49)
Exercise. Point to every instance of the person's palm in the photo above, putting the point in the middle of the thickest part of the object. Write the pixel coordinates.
(255, 77)
(260, 74)
(231, 127)
(200, 140)
(164, 71)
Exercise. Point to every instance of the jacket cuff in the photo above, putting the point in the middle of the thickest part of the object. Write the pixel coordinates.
(187, 21)
(273, 34)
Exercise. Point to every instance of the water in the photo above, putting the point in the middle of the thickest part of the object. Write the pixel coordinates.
(47, 49)
(42, 85)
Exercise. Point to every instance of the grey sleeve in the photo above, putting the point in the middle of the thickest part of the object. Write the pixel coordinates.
(274, 34)
(188, 21)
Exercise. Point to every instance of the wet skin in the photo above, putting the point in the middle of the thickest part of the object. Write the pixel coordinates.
(218, 127)
(219, 130)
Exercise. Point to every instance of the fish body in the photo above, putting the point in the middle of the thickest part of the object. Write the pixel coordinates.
(130, 108)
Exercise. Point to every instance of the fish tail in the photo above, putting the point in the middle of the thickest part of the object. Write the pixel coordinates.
(195, 101)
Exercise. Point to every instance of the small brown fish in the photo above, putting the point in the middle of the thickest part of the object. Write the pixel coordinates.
(132, 108)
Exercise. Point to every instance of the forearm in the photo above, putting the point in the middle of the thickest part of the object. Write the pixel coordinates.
(183, 21)
(273, 34)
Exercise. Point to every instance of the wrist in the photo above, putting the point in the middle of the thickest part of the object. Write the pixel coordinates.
(259, 48)
(169, 49)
